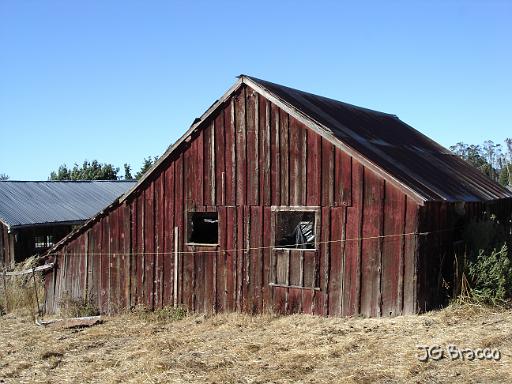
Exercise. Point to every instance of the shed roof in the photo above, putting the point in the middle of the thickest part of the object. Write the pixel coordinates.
(31, 203)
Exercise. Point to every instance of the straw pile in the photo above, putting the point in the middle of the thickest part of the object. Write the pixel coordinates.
(237, 348)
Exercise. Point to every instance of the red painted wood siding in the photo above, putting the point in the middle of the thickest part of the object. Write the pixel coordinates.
(249, 156)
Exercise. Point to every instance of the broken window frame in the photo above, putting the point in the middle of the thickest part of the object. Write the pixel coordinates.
(276, 210)
(289, 251)
(188, 228)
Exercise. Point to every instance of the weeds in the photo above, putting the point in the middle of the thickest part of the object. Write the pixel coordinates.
(78, 307)
(165, 314)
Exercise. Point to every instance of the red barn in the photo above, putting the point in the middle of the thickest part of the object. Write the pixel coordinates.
(278, 199)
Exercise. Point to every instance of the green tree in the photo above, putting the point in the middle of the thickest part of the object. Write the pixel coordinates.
(128, 172)
(504, 176)
(146, 165)
(93, 170)
(3, 176)
(472, 154)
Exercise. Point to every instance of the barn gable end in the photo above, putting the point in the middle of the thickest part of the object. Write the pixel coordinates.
(251, 161)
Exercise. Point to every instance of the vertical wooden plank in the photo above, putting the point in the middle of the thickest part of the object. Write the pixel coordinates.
(256, 258)
(343, 178)
(221, 287)
(281, 276)
(136, 249)
(297, 183)
(370, 278)
(160, 231)
(247, 293)
(240, 259)
(230, 179)
(221, 152)
(336, 264)
(204, 280)
(208, 181)
(392, 252)
(284, 158)
(168, 234)
(352, 274)
(179, 221)
(113, 260)
(127, 251)
(314, 168)
(198, 158)
(267, 251)
(265, 150)
(105, 264)
(295, 263)
(275, 156)
(241, 148)
(327, 173)
(321, 297)
(149, 244)
(410, 258)
(230, 271)
(252, 126)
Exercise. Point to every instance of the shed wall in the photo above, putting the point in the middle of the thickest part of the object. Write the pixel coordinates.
(6, 248)
(248, 157)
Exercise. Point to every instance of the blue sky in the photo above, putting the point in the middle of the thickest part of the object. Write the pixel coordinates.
(120, 80)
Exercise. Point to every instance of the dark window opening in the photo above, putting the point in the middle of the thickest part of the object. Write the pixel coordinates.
(203, 228)
(295, 229)
(41, 242)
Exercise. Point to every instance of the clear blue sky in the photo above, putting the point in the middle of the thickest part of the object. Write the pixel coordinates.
(120, 80)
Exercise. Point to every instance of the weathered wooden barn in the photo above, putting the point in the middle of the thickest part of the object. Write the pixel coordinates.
(34, 215)
(278, 199)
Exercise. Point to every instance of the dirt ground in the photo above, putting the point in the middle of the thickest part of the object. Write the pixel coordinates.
(236, 348)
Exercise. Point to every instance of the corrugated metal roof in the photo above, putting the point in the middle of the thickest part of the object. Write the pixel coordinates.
(418, 162)
(27, 203)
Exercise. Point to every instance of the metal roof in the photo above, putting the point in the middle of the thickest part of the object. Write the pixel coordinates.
(30, 203)
(410, 157)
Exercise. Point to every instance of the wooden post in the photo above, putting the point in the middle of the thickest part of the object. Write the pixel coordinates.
(5, 291)
(35, 291)
(175, 267)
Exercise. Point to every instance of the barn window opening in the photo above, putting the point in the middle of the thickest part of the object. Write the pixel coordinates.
(43, 241)
(295, 230)
(203, 228)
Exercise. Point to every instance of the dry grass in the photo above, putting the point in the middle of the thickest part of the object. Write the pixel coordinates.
(20, 297)
(237, 348)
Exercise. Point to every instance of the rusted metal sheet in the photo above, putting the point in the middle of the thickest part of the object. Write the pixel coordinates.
(247, 158)
(402, 153)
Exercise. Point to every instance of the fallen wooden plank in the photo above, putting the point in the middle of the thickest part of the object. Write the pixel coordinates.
(27, 271)
(75, 322)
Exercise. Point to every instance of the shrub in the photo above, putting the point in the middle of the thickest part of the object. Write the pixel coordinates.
(487, 277)
(491, 277)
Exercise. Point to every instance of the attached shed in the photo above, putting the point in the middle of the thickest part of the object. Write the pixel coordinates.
(278, 199)
(34, 215)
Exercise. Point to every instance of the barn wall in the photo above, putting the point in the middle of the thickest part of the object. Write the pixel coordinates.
(245, 159)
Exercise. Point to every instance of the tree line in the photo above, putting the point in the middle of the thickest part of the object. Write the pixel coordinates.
(94, 170)
(492, 159)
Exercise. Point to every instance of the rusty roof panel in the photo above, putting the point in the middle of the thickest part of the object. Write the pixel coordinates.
(415, 160)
